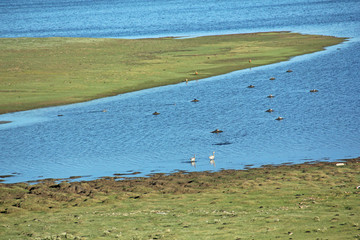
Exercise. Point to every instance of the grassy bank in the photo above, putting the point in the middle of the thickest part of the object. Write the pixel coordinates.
(39, 72)
(317, 201)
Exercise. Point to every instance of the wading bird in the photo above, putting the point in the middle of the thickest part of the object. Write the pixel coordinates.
(212, 157)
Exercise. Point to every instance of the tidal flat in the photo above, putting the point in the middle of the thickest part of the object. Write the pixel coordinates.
(42, 72)
(301, 201)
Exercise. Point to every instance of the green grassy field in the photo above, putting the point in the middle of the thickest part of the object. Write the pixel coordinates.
(306, 201)
(39, 72)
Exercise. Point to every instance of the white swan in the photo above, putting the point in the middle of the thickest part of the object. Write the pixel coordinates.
(212, 157)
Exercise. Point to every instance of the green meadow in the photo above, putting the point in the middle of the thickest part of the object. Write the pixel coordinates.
(40, 72)
(305, 201)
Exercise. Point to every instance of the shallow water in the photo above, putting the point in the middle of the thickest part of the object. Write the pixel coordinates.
(127, 138)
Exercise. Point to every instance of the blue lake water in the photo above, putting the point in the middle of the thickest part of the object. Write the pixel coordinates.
(127, 138)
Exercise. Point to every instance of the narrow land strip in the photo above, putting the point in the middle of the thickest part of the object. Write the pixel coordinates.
(40, 72)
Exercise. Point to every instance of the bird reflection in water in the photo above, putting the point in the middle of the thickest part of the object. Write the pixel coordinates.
(212, 159)
(193, 161)
(193, 164)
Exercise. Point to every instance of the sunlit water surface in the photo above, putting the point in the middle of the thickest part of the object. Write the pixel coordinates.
(127, 138)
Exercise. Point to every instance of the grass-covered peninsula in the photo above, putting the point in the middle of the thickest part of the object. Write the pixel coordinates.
(39, 72)
(305, 201)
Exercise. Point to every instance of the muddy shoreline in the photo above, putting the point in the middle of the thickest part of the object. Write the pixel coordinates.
(178, 182)
(132, 175)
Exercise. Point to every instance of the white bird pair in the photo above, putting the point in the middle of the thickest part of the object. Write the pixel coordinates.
(211, 157)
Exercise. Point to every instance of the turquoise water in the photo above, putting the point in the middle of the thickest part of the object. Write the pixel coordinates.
(127, 138)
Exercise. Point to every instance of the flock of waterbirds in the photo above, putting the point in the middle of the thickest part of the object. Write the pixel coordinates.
(212, 157)
(270, 110)
(193, 159)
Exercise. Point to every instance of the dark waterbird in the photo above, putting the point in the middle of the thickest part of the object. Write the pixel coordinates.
(222, 143)
(216, 131)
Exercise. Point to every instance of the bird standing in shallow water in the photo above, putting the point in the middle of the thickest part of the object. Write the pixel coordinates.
(193, 158)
